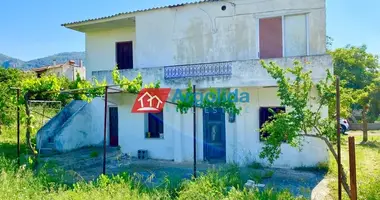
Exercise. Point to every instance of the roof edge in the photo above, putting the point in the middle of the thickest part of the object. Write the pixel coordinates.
(82, 22)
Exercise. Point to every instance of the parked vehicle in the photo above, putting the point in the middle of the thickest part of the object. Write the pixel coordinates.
(344, 126)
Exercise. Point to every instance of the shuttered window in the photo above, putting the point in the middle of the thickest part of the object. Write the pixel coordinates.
(270, 37)
(295, 35)
(283, 36)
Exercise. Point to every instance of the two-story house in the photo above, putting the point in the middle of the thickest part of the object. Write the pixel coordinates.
(214, 44)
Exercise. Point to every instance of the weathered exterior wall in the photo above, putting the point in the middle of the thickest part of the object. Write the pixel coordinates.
(101, 48)
(51, 128)
(84, 128)
(243, 73)
(202, 33)
(242, 137)
(244, 141)
(69, 72)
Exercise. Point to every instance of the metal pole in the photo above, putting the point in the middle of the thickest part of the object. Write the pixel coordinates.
(18, 128)
(105, 129)
(351, 151)
(195, 134)
(338, 138)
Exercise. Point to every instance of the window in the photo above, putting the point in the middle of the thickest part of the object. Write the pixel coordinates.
(270, 31)
(266, 115)
(155, 125)
(124, 55)
(295, 35)
(283, 36)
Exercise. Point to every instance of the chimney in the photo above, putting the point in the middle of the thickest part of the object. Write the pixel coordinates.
(54, 62)
(71, 62)
(80, 63)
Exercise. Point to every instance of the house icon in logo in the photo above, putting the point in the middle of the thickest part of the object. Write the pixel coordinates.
(149, 102)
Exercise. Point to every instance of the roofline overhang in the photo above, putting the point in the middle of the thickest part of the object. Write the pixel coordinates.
(76, 25)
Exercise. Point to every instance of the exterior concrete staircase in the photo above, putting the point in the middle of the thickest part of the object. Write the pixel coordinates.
(48, 149)
(46, 135)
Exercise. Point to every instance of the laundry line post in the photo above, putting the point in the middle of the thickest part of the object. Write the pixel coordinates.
(105, 129)
(194, 134)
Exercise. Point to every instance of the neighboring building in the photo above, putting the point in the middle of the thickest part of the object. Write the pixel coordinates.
(214, 44)
(69, 70)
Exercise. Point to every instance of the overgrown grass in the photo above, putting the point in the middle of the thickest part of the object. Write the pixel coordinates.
(367, 169)
(48, 182)
(23, 183)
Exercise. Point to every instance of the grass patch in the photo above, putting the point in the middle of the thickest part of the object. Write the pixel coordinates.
(255, 165)
(94, 154)
(367, 168)
(320, 167)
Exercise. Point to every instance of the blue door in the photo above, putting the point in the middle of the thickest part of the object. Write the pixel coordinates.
(214, 133)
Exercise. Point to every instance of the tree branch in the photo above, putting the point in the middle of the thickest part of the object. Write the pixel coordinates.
(332, 150)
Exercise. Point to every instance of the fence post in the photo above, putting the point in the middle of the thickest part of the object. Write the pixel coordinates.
(351, 151)
(105, 129)
(338, 138)
(18, 128)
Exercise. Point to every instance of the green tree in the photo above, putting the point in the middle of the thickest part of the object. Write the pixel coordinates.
(8, 78)
(303, 118)
(359, 71)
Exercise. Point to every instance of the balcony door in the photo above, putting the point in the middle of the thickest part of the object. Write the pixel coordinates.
(270, 31)
(124, 55)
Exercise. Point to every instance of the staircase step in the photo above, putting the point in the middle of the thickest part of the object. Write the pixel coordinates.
(47, 151)
(49, 145)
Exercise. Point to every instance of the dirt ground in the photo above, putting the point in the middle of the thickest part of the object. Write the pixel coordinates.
(86, 164)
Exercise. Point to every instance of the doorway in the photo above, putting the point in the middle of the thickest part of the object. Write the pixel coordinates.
(214, 135)
(114, 126)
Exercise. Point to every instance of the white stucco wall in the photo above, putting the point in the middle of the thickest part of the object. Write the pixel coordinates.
(248, 145)
(242, 137)
(69, 72)
(202, 33)
(101, 48)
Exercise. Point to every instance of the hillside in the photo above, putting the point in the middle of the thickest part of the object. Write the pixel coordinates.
(7, 61)
(59, 58)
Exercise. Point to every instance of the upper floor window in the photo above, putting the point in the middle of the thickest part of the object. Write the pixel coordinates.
(124, 55)
(283, 36)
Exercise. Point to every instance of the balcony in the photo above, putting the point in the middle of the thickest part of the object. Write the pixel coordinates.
(222, 74)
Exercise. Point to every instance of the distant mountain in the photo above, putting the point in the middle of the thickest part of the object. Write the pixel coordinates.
(59, 58)
(7, 61)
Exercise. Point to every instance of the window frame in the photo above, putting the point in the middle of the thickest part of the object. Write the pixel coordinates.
(261, 138)
(116, 53)
(283, 31)
(153, 116)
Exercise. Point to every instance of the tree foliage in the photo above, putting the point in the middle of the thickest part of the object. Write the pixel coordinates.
(305, 101)
(222, 100)
(360, 72)
(9, 79)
